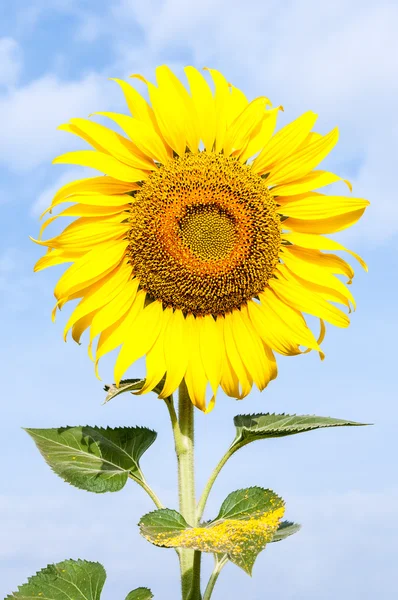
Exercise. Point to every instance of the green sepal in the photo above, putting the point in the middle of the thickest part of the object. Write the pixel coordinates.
(140, 594)
(74, 579)
(262, 426)
(129, 385)
(248, 519)
(285, 530)
(93, 458)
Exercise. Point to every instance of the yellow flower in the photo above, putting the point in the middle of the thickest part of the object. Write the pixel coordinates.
(191, 252)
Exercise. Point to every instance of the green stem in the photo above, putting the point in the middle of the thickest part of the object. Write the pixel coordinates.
(203, 499)
(141, 481)
(214, 576)
(174, 424)
(189, 560)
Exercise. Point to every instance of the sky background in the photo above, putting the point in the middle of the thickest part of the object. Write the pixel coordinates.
(337, 58)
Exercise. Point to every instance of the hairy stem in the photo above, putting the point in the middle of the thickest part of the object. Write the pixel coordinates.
(184, 441)
(141, 481)
(214, 576)
(203, 499)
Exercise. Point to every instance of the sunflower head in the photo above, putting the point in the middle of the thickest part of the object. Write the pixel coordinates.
(202, 247)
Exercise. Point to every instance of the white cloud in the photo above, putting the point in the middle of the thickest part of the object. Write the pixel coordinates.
(30, 115)
(10, 61)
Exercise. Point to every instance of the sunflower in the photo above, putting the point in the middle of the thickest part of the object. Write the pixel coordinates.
(202, 246)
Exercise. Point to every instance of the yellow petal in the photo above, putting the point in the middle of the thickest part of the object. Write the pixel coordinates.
(115, 335)
(114, 309)
(331, 225)
(303, 160)
(138, 106)
(311, 181)
(195, 376)
(115, 201)
(87, 210)
(110, 339)
(155, 358)
(86, 231)
(234, 356)
(101, 293)
(144, 332)
(330, 262)
(143, 135)
(57, 257)
(229, 381)
(154, 120)
(170, 109)
(174, 105)
(239, 132)
(316, 274)
(108, 141)
(328, 292)
(91, 186)
(82, 210)
(273, 368)
(314, 206)
(91, 267)
(289, 322)
(261, 134)
(236, 105)
(80, 326)
(250, 349)
(221, 102)
(319, 242)
(102, 162)
(306, 298)
(284, 143)
(210, 350)
(203, 102)
(175, 353)
(271, 329)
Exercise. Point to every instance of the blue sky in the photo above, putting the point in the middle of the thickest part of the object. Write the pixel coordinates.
(339, 59)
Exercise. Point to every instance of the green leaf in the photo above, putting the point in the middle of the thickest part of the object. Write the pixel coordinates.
(70, 579)
(162, 523)
(129, 385)
(243, 504)
(258, 427)
(92, 458)
(140, 594)
(248, 519)
(285, 529)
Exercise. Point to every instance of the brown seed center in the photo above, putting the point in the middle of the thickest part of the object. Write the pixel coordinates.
(205, 234)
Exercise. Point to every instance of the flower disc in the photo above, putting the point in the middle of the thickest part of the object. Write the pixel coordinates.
(205, 235)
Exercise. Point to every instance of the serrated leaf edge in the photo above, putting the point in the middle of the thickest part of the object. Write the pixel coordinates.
(38, 573)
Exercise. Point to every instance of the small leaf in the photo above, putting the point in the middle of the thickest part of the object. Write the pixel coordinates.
(129, 385)
(74, 579)
(92, 458)
(126, 385)
(246, 522)
(285, 529)
(162, 524)
(240, 504)
(257, 427)
(140, 594)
